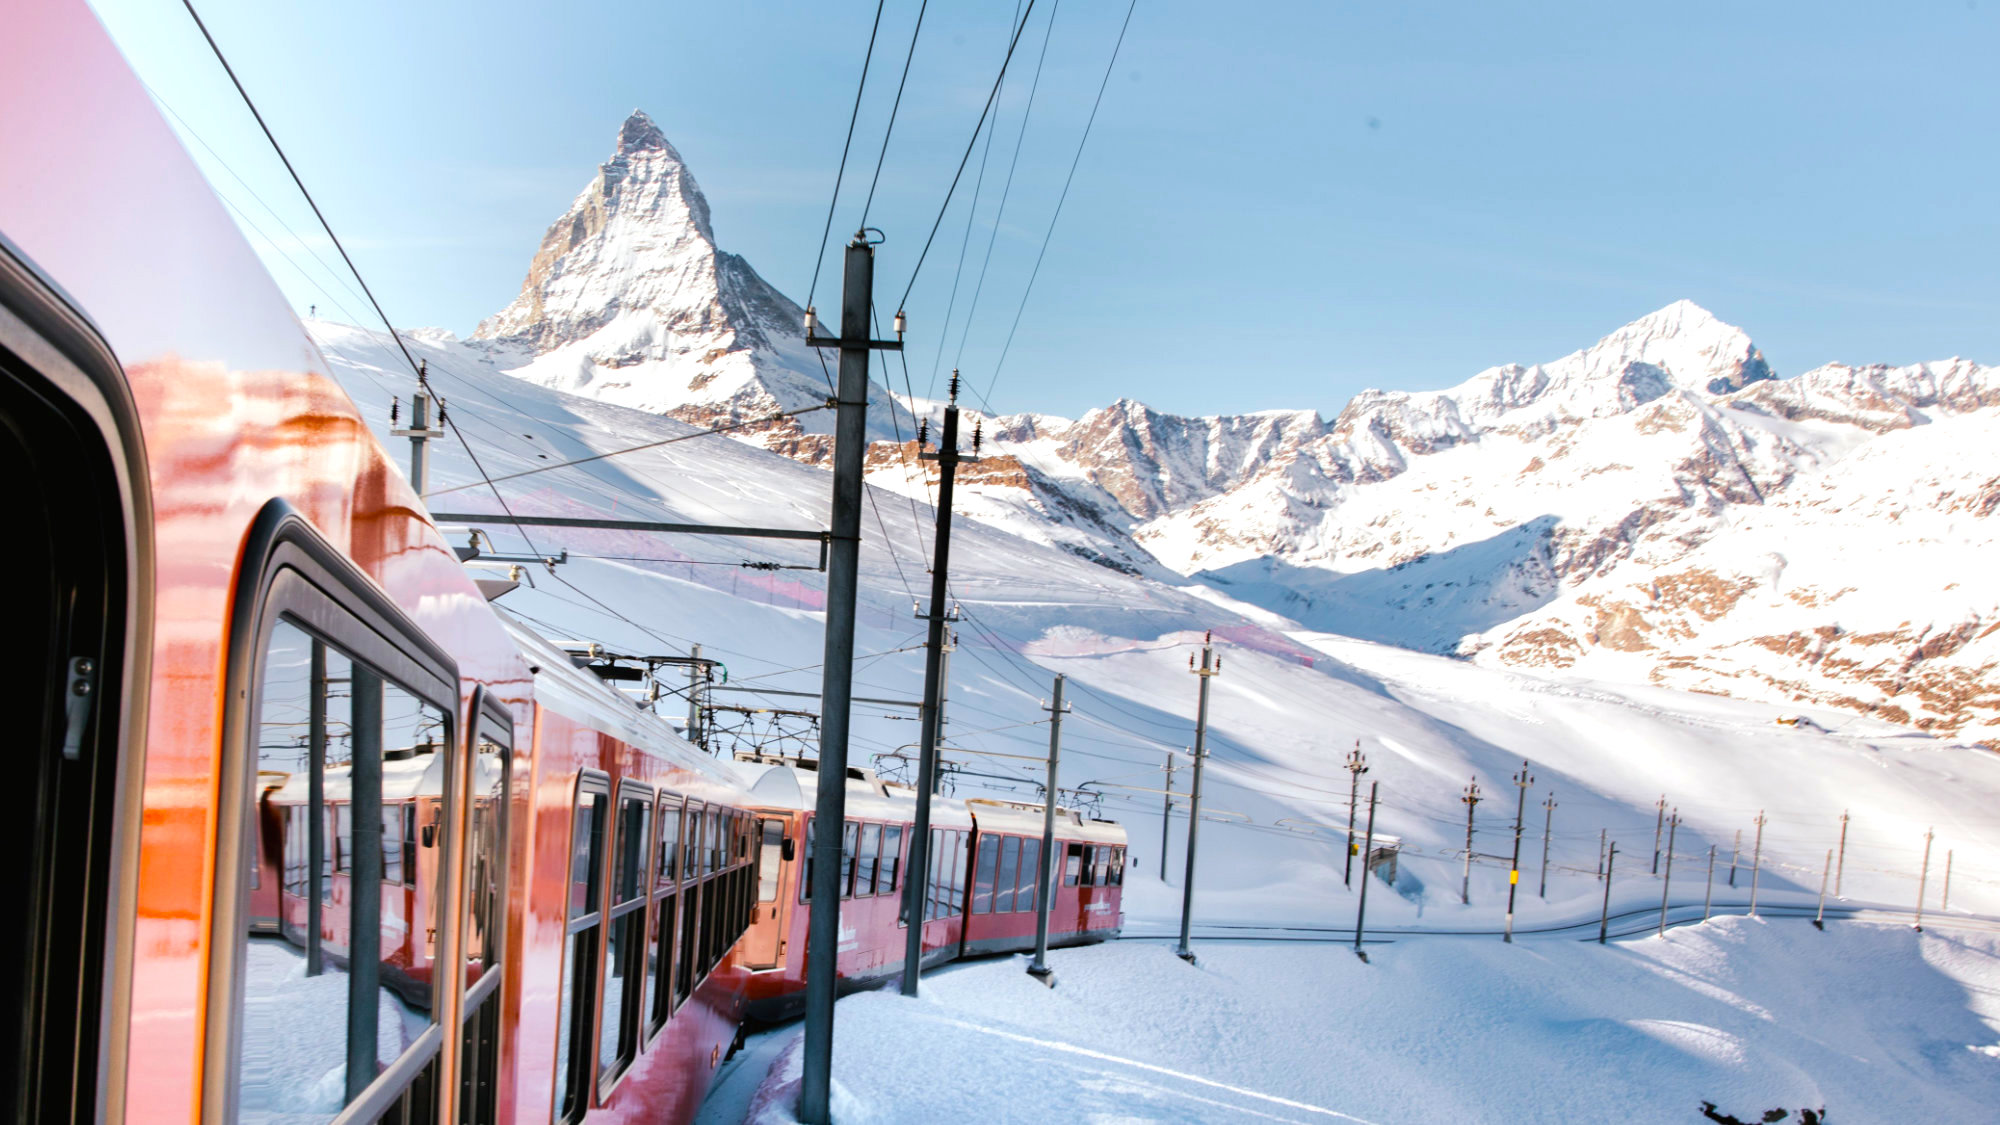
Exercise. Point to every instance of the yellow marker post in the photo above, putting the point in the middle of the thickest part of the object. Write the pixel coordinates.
(1513, 877)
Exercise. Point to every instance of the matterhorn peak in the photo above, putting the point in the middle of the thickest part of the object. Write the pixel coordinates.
(639, 133)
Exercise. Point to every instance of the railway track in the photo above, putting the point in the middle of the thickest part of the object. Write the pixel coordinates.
(1623, 923)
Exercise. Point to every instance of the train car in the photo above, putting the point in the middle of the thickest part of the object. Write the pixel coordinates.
(981, 888)
(307, 831)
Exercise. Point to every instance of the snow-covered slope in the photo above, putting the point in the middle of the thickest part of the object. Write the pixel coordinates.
(1288, 705)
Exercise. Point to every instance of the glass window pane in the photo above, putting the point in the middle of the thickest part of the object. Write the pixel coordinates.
(961, 860)
(806, 878)
(486, 863)
(848, 836)
(585, 833)
(1031, 874)
(1010, 865)
(866, 860)
(892, 859)
(770, 862)
(989, 860)
(327, 814)
(691, 841)
(632, 840)
(1072, 865)
(617, 965)
(666, 865)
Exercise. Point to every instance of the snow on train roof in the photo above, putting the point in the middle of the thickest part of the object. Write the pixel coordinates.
(564, 688)
(790, 786)
(1025, 819)
(419, 774)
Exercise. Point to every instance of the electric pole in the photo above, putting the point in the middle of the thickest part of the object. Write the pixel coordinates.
(1604, 919)
(1361, 910)
(1673, 826)
(696, 676)
(1044, 892)
(1167, 816)
(1356, 766)
(837, 680)
(1471, 800)
(1840, 861)
(1659, 825)
(1548, 824)
(947, 457)
(1923, 878)
(1944, 904)
(1735, 850)
(1757, 863)
(1521, 782)
(420, 430)
(1211, 666)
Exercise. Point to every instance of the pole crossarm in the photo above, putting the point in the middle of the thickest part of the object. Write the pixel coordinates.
(634, 525)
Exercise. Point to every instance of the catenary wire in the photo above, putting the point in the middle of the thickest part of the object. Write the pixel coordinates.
(897, 105)
(866, 60)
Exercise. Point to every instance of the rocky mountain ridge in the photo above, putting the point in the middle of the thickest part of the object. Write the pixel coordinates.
(1658, 506)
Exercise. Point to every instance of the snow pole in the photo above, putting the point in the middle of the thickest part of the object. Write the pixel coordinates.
(1923, 877)
(1659, 824)
(1361, 911)
(1840, 860)
(1819, 918)
(1757, 863)
(1210, 668)
(1604, 919)
(1944, 904)
(1666, 882)
(1708, 895)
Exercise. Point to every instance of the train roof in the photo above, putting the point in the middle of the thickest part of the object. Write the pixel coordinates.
(570, 691)
(794, 784)
(1025, 818)
(406, 773)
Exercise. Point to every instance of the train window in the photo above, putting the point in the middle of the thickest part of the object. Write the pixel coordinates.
(1072, 865)
(1102, 868)
(806, 874)
(932, 891)
(1117, 867)
(961, 863)
(1010, 868)
(579, 979)
(660, 941)
(892, 859)
(988, 849)
(632, 837)
(691, 843)
(849, 832)
(1031, 874)
(484, 871)
(344, 954)
(712, 832)
(867, 859)
(770, 861)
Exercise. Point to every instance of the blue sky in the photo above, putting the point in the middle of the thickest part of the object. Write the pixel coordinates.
(1280, 204)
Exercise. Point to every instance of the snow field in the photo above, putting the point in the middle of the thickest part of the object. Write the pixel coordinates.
(1877, 1023)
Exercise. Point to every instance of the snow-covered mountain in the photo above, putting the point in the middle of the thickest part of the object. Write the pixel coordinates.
(1658, 507)
(629, 300)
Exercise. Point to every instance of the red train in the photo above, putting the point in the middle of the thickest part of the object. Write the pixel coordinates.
(308, 831)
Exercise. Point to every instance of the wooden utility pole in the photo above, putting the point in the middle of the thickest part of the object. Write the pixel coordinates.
(1604, 919)
(1356, 766)
(947, 457)
(850, 441)
(1361, 910)
(1548, 825)
(1211, 666)
(1673, 827)
(1840, 861)
(1471, 800)
(1167, 815)
(1659, 825)
(1923, 877)
(1757, 863)
(1521, 782)
(1045, 871)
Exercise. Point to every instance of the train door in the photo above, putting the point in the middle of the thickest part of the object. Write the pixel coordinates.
(74, 615)
(484, 917)
(764, 942)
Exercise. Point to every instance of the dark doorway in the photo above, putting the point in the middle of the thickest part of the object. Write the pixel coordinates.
(63, 615)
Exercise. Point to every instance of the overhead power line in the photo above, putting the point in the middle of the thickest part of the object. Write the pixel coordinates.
(310, 202)
(866, 61)
(894, 107)
(970, 144)
(1064, 197)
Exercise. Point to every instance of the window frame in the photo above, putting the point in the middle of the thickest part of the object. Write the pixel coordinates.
(290, 573)
(631, 1037)
(583, 1073)
(663, 913)
(490, 722)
